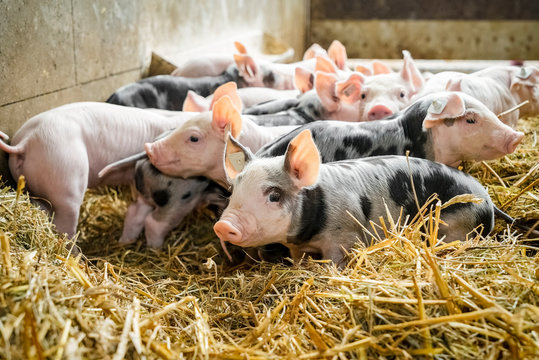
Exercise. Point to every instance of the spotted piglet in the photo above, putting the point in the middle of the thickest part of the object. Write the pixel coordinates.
(163, 202)
(311, 207)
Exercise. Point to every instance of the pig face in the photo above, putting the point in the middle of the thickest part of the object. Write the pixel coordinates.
(194, 148)
(265, 191)
(463, 128)
(382, 95)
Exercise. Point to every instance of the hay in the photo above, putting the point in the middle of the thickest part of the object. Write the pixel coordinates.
(400, 298)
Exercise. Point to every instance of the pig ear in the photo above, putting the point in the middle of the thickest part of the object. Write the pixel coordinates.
(225, 117)
(324, 64)
(247, 66)
(411, 74)
(364, 70)
(195, 103)
(454, 85)
(313, 51)
(337, 53)
(236, 156)
(380, 68)
(240, 47)
(324, 84)
(229, 89)
(527, 75)
(302, 160)
(449, 106)
(303, 79)
(349, 91)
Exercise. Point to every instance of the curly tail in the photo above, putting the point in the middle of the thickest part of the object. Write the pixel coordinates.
(18, 149)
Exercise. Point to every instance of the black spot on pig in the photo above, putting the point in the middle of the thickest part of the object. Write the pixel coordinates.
(186, 195)
(366, 206)
(313, 217)
(269, 79)
(362, 145)
(161, 197)
(340, 154)
(139, 179)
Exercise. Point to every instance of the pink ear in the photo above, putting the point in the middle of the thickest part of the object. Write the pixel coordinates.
(195, 103)
(324, 84)
(324, 64)
(313, 51)
(337, 53)
(247, 66)
(240, 47)
(302, 160)
(411, 74)
(225, 114)
(380, 68)
(444, 107)
(229, 89)
(454, 85)
(349, 91)
(303, 79)
(364, 70)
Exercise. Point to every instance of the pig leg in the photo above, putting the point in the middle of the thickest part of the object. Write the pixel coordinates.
(134, 220)
(65, 193)
(162, 221)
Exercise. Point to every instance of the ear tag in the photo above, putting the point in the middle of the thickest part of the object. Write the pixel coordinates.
(237, 160)
(437, 106)
(525, 73)
(348, 90)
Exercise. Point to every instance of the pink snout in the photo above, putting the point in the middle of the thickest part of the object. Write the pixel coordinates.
(227, 232)
(378, 112)
(513, 141)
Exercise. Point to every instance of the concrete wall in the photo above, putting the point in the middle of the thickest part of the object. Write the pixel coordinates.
(57, 52)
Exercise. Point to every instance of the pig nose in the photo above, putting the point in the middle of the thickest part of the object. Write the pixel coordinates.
(514, 141)
(227, 232)
(378, 112)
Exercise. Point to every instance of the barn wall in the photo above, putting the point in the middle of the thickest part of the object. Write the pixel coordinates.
(458, 29)
(53, 53)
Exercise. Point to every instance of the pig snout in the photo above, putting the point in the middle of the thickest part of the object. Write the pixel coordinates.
(378, 112)
(226, 231)
(512, 141)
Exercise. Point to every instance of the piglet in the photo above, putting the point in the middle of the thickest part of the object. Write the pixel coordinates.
(447, 127)
(498, 87)
(60, 151)
(163, 202)
(310, 207)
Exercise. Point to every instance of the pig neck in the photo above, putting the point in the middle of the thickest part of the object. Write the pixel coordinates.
(443, 151)
(255, 136)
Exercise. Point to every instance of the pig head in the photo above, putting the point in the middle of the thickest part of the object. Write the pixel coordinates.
(384, 94)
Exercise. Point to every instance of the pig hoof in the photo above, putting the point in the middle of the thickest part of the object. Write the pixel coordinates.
(125, 241)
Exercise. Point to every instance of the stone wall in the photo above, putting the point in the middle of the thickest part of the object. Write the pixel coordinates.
(57, 52)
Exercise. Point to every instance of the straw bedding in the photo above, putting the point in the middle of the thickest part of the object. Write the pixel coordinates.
(405, 296)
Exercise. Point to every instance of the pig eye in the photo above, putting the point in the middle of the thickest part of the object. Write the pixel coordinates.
(363, 96)
(402, 94)
(193, 139)
(274, 196)
(470, 121)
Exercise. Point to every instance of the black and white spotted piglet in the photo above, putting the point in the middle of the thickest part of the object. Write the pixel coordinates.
(163, 202)
(297, 201)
